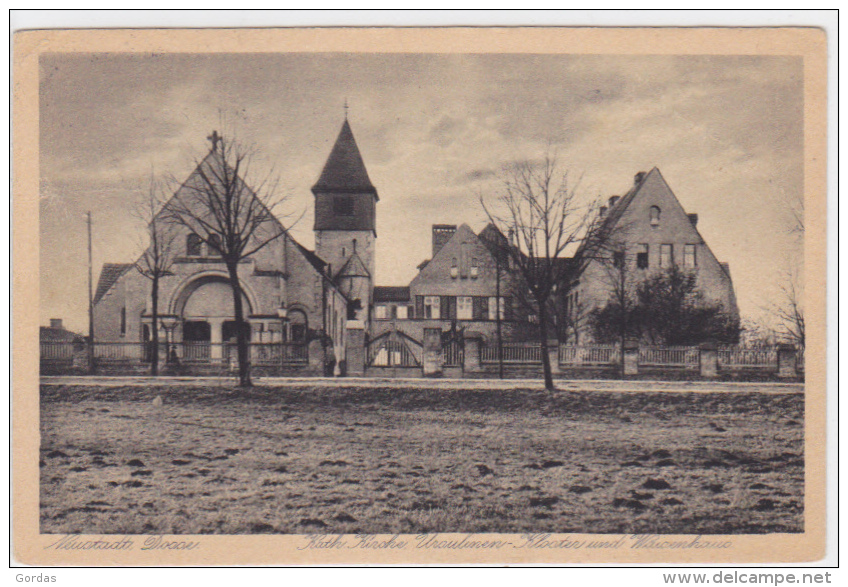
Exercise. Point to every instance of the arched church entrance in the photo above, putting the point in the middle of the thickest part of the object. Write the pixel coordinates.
(205, 307)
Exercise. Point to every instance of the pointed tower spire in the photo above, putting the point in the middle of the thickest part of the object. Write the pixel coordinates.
(344, 171)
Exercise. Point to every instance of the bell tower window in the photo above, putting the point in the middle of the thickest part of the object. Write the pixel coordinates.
(343, 206)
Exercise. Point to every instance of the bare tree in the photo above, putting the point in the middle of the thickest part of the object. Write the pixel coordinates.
(231, 218)
(539, 206)
(156, 260)
(789, 310)
(617, 320)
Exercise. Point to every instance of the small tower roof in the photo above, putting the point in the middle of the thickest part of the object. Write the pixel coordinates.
(344, 170)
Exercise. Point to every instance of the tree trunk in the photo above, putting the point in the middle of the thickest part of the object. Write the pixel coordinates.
(241, 335)
(546, 360)
(154, 329)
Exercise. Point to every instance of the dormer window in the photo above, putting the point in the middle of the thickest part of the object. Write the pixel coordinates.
(194, 245)
(454, 270)
(655, 215)
(474, 268)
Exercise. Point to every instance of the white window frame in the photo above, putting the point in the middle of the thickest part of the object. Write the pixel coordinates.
(687, 249)
(493, 303)
(402, 312)
(433, 307)
(666, 262)
(381, 312)
(464, 308)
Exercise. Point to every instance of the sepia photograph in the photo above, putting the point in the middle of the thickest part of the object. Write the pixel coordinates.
(465, 300)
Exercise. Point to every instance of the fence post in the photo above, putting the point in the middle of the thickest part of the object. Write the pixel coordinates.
(630, 359)
(355, 351)
(708, 359)
(432, 352)
(786, 361)
(315, 349)
(553, 356)
(473, 343)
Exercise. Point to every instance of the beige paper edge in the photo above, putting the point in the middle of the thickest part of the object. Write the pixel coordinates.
(29, 545)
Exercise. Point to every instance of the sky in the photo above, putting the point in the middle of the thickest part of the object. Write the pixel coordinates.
(434, 131)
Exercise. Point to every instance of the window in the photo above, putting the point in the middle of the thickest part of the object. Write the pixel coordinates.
(123, 321)
(402, 312)
(474, 268)
(655, 215)
(493, 308)
(432, 307)
(689, 258)
(354, 245)
(454, 271)
(344, 252)
(380, 312)
(618, 259)
(464, 308)
(666, 257)
(194, 245)
(214, 247)
(642, 256)
(343, 206)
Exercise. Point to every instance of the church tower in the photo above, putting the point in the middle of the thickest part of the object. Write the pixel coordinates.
(345, 222)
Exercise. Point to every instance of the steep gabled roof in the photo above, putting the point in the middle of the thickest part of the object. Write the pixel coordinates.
(391, 293)
(354, 267)
(344, 170)
(109, 275)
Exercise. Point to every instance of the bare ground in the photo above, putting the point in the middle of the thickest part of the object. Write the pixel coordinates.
(414, 460)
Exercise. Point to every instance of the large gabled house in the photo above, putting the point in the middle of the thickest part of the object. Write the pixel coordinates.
(650, 231)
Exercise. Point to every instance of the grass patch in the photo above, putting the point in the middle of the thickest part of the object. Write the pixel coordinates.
(297, 461)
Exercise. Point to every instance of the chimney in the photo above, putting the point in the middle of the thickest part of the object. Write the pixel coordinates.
(693, 218)
(56, 323)
(603, 211)
(637, 179)
(612, 201)
(442, 233)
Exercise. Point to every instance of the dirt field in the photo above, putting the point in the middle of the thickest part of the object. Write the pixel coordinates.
(337, 460)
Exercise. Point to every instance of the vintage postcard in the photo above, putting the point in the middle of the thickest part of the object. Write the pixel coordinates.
(436, 295)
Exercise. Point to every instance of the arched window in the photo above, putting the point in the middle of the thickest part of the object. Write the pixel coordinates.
(193, 245)
(655, 215)
(214, 248)
(354, 245)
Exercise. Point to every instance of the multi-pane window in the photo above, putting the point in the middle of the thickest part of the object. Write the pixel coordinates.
(689, 257)
(432, 307)
(343, 206)
(402, 312)
(493, 308)
(642, 256)
(665, 256)
(194, 245)
(464, 308)
(380, 312)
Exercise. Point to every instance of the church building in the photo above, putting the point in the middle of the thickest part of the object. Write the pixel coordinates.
(291, 295)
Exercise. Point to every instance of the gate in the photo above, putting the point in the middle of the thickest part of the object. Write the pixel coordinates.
(394, 349)
(453, 348)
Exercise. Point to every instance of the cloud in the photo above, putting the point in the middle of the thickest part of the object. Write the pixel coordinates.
(434, 131)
